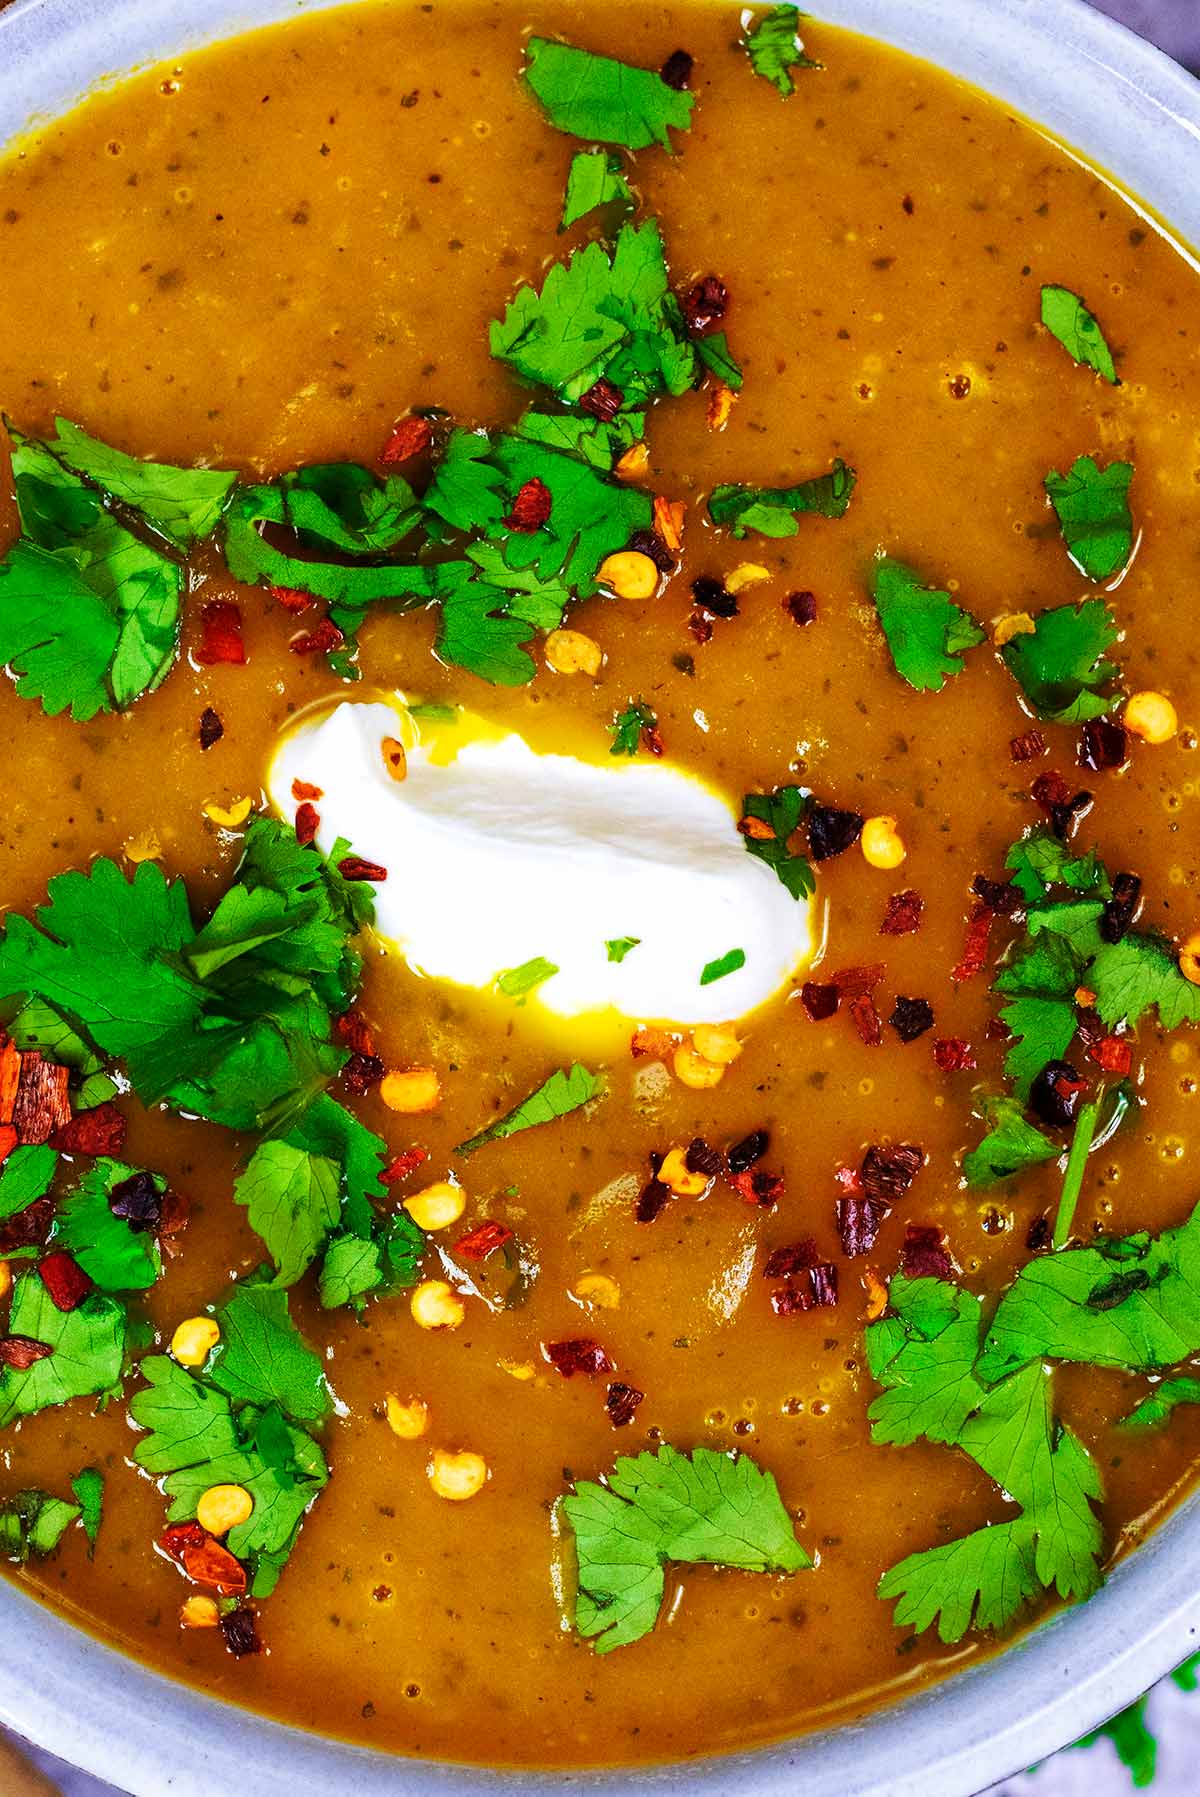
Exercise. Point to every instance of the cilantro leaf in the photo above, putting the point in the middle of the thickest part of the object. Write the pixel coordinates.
(515, 982)
(926, 632)
(1075, 921)
(32, 1524)
(601, 315)
(923, 1354)
(1066, 317)
(656, 1509)
(1047, 967)
(195, 1440)
(1009, 1145)
(602, 100)
(116, 1256)
(1092, 507)
(1060, 665)
(24, 1176)
(730, 962)
(262, 1358)
(182, 504)
(477, 631)
(351, 1267)
(88, 1488)
(1159, 1404)
(80, 588)
(1040, 860)
(1139, 973)
(981, 1580)
(782, 811)
(1131, 1302)
(563, 1092)
(1042, 1030)
(713, 350)
(595, 179)
(88, 1344)
(619, 946)
(774, 511)
(774, 48)
(293, 1201)
(627, 726)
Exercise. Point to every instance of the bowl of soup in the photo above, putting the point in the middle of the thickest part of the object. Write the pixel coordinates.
(600, 958)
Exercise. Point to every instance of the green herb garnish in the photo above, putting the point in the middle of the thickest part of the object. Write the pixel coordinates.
(619, 946)
(774, 47)
(782, 811)
(88, 1489)
(730, 962)
(1092, 507)
(1060, 665)
(1009, 1146)
(561, 1094)
(595, 179)
(1066, 317)
(602, 100)
(183, 505)
(926, 631)
(774, 511)
(515, 982)
(654, 1510)
(32, 1524)
(627, 727)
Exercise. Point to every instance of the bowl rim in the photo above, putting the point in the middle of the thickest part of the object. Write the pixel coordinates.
(1127, 109)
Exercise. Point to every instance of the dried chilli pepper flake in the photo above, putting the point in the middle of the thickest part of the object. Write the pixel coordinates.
(651, 1043)
(602, 400)
(483, 1240)
(361, 1072)
(293, 599)
(208, 1563)
(577, 1355)
(974, 955)
(403, 1165)
(648, 542)
(354, 867)
(1005, 899)
(65, 1280)
(1121, 909)
(923, 1253)
(831, 832)
(819, 1001)
(859, 1220)
(651, 1198)
(221, 634)
(20, 1352)
(28, 1228)
(95, 1132)
(308, 822)
(211, 728)
(41, 1105)
(867, 1020)
(1102, 745)
(319, 641)
(877, 1294)
(410, 437)
(531, 507)
(180, 1535)
(677, 70)
(1028, 747)
(353, 1029)
(705, 304)
(851, 982)
(953, 1054)
(748, 1151)
(903, 914)
(793, 1257)
(757, 1186)
(304, 789)
(887, 1172)
(700, 1158)
(621, 1402)
(240, 1630)
(801, 608)
(1112, 1055)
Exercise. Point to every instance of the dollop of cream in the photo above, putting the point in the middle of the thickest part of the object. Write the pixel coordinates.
(497, 855)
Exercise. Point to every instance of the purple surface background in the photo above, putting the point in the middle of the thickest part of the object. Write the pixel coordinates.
(1175, 26)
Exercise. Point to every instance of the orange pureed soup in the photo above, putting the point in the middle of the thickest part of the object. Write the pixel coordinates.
(777, 804)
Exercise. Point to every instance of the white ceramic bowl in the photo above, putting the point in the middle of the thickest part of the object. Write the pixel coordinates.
(1136, 115)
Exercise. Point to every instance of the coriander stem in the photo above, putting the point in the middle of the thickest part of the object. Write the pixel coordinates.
(1081, 1142)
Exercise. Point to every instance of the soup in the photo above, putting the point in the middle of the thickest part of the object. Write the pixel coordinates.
(770, 752)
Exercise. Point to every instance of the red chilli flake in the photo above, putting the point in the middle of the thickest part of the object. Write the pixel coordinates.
(859, 1220)
(353, 867)
(221, 634)
(211, 728)
(578, 1355)
(28, 1228)
(361, 1072)
(603, 400)
(304, 789)
(41, 1104)
(353, 1029)
(757, 1186)
(483, 1240)
(911, 1017)
(65, 1281)
(1005, 899)
(20, 1352)
(953, 1054)
(621, 1401)
(411, 437)
(208, 1563)
(407, 1163)
(801, 608)
(705, 304)
(853, 982)
(794, 1257)
(974, 955)
(308, 822)
(1112, 1055)
(867, 1020)
(888, 1172)
(1103, 745)
(177, 1536)
(923, 1254)
(293, 599)
(1028, 747)
(651, 1199)
(320, 641)
(819, 1002)
(817, 1289)
(241, 1633)
(95, 1132)
(531, 507)
(903, 914)
(677, 70)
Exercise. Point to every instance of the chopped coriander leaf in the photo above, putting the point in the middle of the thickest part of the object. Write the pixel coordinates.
(774, 511)
(730, 962)
(595, 179)
(1060, 665)
(1092, 507)
(111, 1251)
(1010, 1145)
(619, 946)
(293, 1202)
(515, 982)
(479, 631)
(926, 631)
(774, 48)
(602, 100)
(182, 504)
(350, 1269)
(715, 354)
(627, 726)
(1131, 1302)
(1066, 317)
(601, 314)
(32, 1524)
(1047, 968)
(1165, 1398)
(262, 1358)
(597, 442)
(670, 1508)
(1040, 860)
(1140, 973)
(88, 1350)
(782, 811)
(24, 1176)
(562, 1093)
(89, 614)
(1042, 1030)
(88, 1489)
